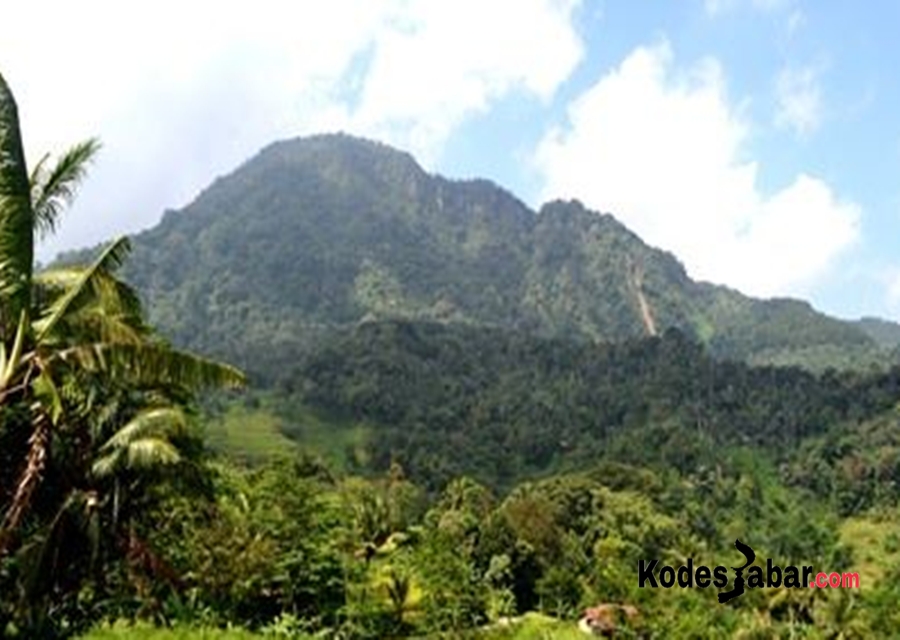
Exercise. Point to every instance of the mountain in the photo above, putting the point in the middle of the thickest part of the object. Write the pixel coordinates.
(327, 231)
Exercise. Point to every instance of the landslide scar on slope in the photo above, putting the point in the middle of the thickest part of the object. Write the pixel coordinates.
(636, 283)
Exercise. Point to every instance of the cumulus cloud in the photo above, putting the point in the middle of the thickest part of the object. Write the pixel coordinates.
(665, 151)
(799, 100)
(182, 91)
(454, 59)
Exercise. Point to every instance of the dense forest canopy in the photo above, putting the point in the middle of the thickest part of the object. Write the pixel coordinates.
(500, 406)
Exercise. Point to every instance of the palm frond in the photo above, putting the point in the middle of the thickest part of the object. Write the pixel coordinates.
(16, 216)
(99, 325)
(53, 282)
(58, 279)
(148, 453)
(53, 189)
(46, 391)
(141, 454)
(161, 422)
(111, 314)
(103, 415)
(95, 285)
(151, 364)
(96, 324)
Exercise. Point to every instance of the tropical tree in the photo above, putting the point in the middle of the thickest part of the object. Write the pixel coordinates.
(90, 399)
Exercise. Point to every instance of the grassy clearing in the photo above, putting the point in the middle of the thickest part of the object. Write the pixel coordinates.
(249, 434)
(340, 444)
(272, 428)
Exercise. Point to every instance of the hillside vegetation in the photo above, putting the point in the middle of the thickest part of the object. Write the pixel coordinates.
(449, 400)
(326, 231)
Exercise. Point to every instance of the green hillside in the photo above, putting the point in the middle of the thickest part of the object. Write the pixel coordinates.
(326, 231)
(501, 406)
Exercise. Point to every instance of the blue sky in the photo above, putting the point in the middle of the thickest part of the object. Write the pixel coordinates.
(758, 140)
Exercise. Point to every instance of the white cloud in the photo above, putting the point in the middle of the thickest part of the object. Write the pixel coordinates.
(182, 91)
(453, 59)
(799, 100)
(664, 151)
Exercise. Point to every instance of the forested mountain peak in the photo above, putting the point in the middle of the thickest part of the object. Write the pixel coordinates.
(319, 232)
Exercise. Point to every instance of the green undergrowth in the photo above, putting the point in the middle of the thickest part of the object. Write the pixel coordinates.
(531, 626)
